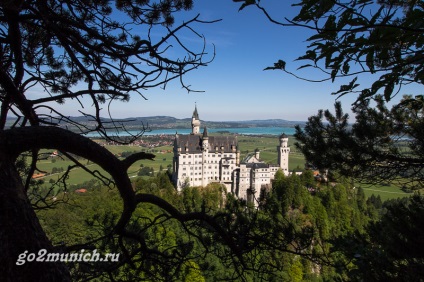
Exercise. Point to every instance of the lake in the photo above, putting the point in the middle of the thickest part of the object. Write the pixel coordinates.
(241, 130)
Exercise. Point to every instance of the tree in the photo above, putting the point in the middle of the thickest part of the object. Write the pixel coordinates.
(93, 52)
(382, 40)
(382, 146)
(391, 250)
(145, 171)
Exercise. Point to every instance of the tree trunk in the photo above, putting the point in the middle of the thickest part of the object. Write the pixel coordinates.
(20, 231)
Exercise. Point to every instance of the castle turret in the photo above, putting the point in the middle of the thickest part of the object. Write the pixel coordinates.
(257, 154)
(283, 153)
(175, 160)
(205, 140)
(205, 150)
(195, 122)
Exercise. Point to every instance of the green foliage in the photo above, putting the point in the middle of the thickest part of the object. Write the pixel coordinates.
(361, 33)
(295, 234)
(191, 199)
(399, 237)
(295, 271)
(125, 154)
(291, 237)
(82, 218)
(320, 218)
(146, 171)
(57, 170)
(391, 249)
(169, 250)
(209, 198)
(373, 150)
(191, 273)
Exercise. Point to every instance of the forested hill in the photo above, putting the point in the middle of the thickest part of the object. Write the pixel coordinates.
(171, 122)
(155, 122)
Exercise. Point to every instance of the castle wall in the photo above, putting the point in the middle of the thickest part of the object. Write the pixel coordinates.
(201, 169)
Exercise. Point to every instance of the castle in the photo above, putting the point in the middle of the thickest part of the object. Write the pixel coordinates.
(200, 159)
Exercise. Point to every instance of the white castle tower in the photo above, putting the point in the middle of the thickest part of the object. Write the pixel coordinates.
(283, 153)
(195, 122)
(205, 158)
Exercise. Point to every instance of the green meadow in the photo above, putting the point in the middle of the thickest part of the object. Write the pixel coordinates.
(247, 145)
(386, 192)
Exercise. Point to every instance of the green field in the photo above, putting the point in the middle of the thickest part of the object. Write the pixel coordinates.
(78, 175)
(247, 145)
(386, 192)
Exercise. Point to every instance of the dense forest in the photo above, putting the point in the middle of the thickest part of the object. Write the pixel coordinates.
(303, 230)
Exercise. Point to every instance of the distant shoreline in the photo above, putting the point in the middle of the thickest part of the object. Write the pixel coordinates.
(167, 122)
(274, 131)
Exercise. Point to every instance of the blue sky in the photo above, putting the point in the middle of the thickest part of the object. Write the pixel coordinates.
(235, 85)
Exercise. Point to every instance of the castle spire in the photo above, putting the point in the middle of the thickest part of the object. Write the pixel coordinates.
(195, 113)
(205, 133)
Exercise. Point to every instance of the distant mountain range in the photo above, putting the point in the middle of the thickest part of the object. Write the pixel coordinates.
(159, 122)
